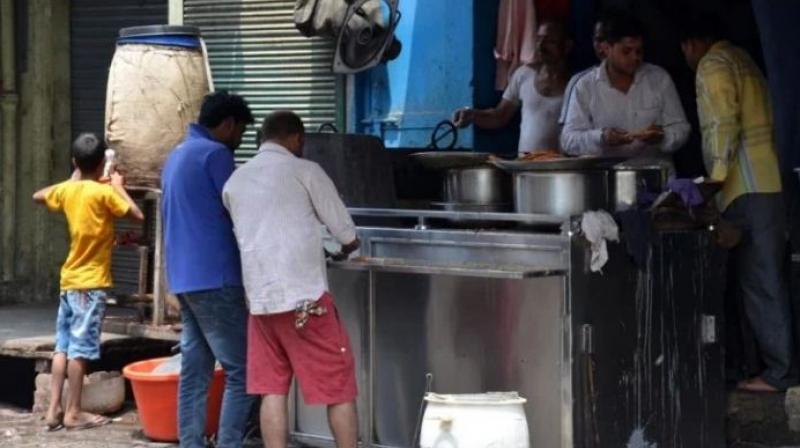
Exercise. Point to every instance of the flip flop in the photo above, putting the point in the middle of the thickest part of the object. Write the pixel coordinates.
(55, 424)
(94, 423)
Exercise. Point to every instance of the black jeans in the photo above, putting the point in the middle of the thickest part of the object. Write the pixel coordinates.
(757, 267)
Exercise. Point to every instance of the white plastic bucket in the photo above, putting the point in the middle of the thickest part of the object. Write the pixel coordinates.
(494, 419)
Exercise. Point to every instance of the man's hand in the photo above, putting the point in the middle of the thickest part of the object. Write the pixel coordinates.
(464, 117)
(345, 251)
(651, 135)
(616, 137)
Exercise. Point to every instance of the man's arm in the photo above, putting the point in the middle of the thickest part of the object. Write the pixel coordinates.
(330, 209)
(493, 118)
(718, 109)
(579, 136)
(674, 124)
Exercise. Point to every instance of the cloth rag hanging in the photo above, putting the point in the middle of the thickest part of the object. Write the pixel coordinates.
(516, 38)
(599, 227)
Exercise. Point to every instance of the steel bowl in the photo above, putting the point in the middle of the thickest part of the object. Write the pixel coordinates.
(560, 193)
(629, 182)
(483, 185)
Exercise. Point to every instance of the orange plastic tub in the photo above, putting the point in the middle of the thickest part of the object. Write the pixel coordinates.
(156, 396)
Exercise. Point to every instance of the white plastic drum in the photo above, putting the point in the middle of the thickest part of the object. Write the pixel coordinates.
(156, 84)
(495, 419)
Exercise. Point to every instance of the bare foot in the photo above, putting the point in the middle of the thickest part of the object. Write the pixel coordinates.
(54, 419)
(756, 384)
(84, 420)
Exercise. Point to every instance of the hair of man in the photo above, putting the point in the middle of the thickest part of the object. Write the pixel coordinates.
(221, 105)
(281, 124)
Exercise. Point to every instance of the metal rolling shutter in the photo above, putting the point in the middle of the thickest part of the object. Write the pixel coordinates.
(94, 25)
(255, 51)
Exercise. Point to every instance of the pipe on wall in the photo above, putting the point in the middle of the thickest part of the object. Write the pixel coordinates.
(9, 101)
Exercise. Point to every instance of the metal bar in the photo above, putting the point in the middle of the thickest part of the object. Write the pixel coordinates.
(175, 14)
(369, 430)
(144, 253)
(468, 244)
(159, 282)
(526, 218)
(465, 270)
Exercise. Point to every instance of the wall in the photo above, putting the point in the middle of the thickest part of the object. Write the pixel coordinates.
(41, 150)
(402, 101)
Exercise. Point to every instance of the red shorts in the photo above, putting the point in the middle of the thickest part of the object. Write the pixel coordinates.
(319, 354)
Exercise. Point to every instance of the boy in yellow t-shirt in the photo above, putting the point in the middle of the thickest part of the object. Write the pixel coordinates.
(90, 207)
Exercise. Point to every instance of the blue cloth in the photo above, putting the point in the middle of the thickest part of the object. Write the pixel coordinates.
(78, 325)
(201, 249)
(214, 327)
(687, 190)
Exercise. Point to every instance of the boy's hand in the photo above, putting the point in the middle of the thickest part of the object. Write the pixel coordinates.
(117, 180)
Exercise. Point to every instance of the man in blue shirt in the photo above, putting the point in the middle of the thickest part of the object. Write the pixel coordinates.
(204, 270)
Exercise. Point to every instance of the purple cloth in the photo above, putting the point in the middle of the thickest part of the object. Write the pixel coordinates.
(687, 190)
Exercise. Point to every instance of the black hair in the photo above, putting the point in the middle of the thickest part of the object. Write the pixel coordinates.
(221, 105)
(280, 124)
(621, 25)
(706, 27)
(603, 18)
(561, 27)
(88, 152)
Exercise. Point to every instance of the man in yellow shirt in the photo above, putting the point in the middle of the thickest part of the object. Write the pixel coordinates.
(739, 152)
(90, 208)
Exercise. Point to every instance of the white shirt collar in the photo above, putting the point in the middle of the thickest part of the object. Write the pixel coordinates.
(602, 73)
(275, 148)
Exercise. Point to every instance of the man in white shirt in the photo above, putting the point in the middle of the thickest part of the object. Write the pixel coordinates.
(537, 88)
(278, 203)
(625, 106)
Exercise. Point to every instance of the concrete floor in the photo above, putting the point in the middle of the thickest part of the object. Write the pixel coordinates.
(28, 331)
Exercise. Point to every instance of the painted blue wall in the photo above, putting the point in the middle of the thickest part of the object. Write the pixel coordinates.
(446, 63)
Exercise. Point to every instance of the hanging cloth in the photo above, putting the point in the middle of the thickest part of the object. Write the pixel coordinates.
(516, 38)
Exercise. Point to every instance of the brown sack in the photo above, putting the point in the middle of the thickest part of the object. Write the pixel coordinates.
(154, 92)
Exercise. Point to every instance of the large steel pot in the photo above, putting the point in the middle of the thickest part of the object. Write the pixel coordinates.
(481, 185)
(628, 183)
(560, 193)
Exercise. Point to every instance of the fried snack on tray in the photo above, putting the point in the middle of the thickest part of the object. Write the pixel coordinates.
(542, 156)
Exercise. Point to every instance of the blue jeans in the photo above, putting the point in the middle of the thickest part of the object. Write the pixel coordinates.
(214, 327)
(79, 322)
(761, 282)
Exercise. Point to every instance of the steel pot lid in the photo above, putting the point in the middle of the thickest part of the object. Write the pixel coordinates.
(565, 164)
(442, 160)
